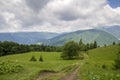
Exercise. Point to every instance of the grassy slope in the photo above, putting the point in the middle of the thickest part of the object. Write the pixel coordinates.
(52, 61)
(92, 69)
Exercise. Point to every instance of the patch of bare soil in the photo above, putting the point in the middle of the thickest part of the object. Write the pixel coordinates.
(45, 74)
(71, 76)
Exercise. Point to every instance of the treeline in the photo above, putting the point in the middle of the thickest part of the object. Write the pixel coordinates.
(88, 46)
(7, 48)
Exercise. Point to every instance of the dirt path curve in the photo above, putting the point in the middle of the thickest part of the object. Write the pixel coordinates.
(72, 76)
(44, 75)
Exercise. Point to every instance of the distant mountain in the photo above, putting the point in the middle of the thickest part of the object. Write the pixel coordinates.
(114, 30)
(27, 37)
(87, 36)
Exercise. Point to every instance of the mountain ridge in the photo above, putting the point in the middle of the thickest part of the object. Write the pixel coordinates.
(88, 36)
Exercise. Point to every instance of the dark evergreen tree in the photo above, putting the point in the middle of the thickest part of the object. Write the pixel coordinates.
(95, 44)
(33, 58)
(114, 43)
(41, 59)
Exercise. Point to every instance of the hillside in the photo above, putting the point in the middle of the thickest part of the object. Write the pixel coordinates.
(104, 53)
(114, 30)
(27, 37)
(87, 36)
(99, 65)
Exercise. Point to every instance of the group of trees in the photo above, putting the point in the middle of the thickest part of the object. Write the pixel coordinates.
(7, 48)
(34, 59)
(86, 47)
(71, 49)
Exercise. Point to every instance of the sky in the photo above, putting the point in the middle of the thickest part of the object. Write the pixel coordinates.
(57, 15)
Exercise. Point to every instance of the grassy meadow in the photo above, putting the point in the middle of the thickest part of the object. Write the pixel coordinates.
(52, 62)
(97, 65)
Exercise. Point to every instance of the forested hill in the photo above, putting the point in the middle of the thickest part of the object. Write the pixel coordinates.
(88, 36)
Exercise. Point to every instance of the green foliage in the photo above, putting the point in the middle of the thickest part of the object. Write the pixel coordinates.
(117, 61)
(114, 43)
(70, 50)
(8, 48)
(95, 44)
(9, 67)
(41, 59)
(104, 66)
(33, 58)
(82, 46)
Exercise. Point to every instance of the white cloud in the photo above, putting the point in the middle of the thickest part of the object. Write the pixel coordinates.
(56, 15)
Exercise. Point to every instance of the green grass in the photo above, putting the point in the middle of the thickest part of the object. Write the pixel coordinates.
(93, 70)
(52, 61)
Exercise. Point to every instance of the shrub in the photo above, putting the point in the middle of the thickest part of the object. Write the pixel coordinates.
(104, 66)
(9, 67)
(41, 59)
(33, 58)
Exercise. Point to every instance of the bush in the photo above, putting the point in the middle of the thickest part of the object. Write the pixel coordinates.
(41, 59)
(33, 58)
(9, 67)
(104, 66)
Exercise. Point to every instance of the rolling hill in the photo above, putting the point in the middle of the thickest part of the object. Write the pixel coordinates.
(27, 37)
(114, 30)
(87, 36)
(100, 62)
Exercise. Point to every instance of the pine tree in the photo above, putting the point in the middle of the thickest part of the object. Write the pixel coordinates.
(33, 58)
(95, 44)
(114, 43)
(41, 59)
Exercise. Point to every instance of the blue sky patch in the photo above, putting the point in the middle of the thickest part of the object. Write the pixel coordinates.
(114, 3)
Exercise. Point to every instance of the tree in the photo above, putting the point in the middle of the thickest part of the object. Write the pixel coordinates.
(91, 46)
(82, 46)
(70, 50)
(33, 58)
(114, 43)
(1, 51)
(41, 59)
(95, 44)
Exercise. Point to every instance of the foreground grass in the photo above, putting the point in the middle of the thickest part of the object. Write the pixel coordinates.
(99, 65)
(52, 62)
